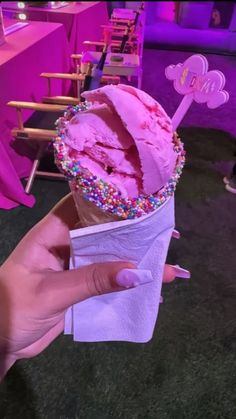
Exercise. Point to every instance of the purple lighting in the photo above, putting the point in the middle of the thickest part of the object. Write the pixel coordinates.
(190, 26)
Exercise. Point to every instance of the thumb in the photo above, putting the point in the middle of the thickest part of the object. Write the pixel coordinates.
(59, 290)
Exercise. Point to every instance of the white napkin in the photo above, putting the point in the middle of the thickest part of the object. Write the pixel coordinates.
(128, 315)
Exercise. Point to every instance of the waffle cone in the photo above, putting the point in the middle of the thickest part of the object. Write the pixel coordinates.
(89, 214)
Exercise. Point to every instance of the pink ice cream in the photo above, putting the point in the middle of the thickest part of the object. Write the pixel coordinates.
(124, 138)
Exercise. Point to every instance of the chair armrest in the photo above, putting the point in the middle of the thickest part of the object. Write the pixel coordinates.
(114, 27)
(66, 76)
(36, 106)
(32, 134)
(76, 56)
(124, 21)
(114, 43)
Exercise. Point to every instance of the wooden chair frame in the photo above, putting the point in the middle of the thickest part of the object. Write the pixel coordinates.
(37, 135)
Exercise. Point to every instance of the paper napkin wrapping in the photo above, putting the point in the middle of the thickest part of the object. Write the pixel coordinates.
(128, 315)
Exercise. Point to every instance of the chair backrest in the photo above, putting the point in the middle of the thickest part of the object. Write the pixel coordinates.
(193, 80)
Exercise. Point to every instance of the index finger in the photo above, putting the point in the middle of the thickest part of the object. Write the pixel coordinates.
(65, 210)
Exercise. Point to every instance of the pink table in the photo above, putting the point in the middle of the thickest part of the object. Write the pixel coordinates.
(26, 54)
(82, 20)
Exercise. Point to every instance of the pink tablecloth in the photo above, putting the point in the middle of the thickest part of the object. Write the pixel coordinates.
(82, 20)
(28, 52)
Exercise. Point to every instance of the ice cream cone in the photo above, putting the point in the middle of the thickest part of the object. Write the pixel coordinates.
(123, 162)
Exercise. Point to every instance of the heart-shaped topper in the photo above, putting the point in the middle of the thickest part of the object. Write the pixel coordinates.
(193, 80)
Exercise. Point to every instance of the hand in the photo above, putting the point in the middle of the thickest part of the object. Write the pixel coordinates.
(36, 286)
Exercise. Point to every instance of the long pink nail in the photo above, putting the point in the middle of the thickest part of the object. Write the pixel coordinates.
(181, 272)
(129, 278)
(176, 234)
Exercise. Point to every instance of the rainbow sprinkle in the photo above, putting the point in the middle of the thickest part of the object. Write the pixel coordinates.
(104, 195)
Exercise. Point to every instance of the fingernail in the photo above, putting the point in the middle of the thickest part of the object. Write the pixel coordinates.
(176, 234)
(181, 272)
(133, 277)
